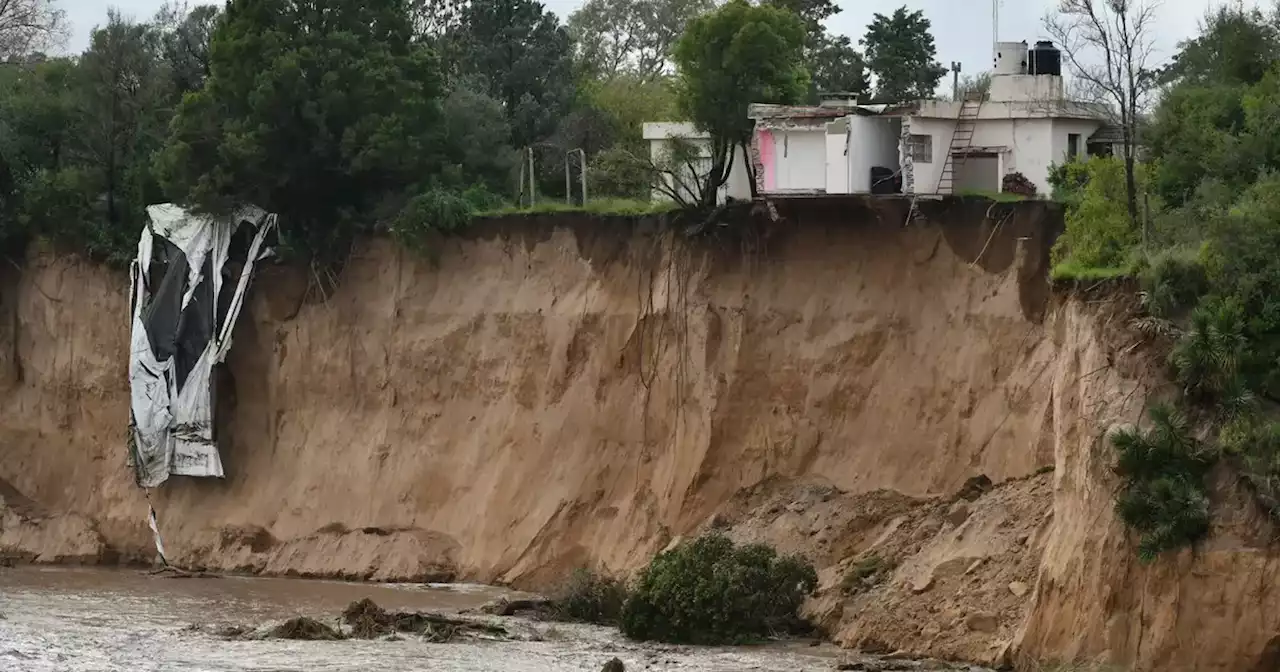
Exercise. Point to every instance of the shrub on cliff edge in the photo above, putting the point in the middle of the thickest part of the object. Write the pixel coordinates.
(711, 591)
(1163, 497)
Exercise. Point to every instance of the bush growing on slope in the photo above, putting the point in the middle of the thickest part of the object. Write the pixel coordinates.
(1173, 282)
(1163, 496)
(590, 597)
(1255, 447)
(710, 591)
(1206, 361)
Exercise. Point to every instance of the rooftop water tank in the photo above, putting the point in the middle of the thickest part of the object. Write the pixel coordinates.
(1044, 59)
(1011, 58)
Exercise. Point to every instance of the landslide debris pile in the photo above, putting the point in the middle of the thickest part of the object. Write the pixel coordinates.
(364, 619)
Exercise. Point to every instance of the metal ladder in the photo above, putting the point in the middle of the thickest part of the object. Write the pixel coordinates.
(961, 139)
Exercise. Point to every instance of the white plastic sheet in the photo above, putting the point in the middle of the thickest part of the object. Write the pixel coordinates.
(181, 329)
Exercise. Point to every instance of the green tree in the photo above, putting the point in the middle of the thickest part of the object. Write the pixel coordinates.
(475, 140)
(711, 591)
(812, 12)
(38, 114)
(1235, 46)
(1107, 46)
(1193, 134)
(624, 103)
(737, 55)
(523, 56)
(28, 26)
(84, 136)
(123, 118)
(184, 43)
(1099, 233)
(901, 53)
(631, 37)
(836, 67)
(326, 118)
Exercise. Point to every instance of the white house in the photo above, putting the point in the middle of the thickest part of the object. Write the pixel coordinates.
(1023, 124)
(662, 137)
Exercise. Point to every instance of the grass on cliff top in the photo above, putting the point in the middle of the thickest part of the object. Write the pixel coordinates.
(1069, 270)
(601, 206)
(997, 196)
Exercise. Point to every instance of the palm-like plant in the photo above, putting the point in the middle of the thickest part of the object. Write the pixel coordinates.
(1206, 361)
(1163, 496)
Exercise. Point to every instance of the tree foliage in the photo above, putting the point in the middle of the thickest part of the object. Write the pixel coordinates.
(522, 57)
(1235, 46)
(711, 591)
(1098, 232)
(28, 26)
(323, 117)
(83, 133)
(836, 67)
(901, 53)
(1107, 46)
(631, 38)
(184, 43)
(737, 55)
(1164, 496)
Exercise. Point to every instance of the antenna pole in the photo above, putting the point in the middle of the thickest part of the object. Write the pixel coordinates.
(995, 31)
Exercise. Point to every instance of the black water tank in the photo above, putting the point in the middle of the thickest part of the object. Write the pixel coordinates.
(1044, 59)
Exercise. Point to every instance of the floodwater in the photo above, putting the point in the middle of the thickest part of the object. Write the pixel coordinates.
(100, 620)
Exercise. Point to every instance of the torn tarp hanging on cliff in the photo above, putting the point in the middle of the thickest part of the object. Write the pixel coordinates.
(188, 286)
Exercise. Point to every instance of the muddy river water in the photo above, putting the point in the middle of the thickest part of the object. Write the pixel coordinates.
(97, 620)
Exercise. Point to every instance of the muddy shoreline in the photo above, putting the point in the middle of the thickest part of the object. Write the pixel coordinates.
(71, 619)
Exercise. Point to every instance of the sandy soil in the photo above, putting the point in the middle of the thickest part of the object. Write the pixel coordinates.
(556, 392)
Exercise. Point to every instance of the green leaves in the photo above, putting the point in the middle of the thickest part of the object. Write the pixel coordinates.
(709, 591)
(522, 55)
(1207, 360)
(737, 55)
(320, 116)
(1163, 495)
(900, 50)
(1099, 233)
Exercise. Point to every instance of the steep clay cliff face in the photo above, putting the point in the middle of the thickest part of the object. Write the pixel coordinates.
(547, 393)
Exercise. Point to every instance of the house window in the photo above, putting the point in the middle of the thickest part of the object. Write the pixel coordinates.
(921, 147)
(1073, 145)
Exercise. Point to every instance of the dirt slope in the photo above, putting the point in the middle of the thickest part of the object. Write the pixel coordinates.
(546, 393)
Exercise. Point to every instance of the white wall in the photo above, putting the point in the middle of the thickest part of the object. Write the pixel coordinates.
(737, 186)
(837, 156)
(873, 141)
(1025, 88)
(800, 157)
(1026, 145)
(1063, 127)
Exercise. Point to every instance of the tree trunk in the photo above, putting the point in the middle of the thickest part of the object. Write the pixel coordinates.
(751, 170)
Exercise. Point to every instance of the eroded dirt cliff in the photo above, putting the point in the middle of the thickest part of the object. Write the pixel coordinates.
(546, 393)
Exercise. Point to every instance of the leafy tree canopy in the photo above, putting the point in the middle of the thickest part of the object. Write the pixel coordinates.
(631, 37)
(1234, 47)
(836, 67)
(901, 53)
(523, 57)
(323, 113)
(732, 57)
(184, 44)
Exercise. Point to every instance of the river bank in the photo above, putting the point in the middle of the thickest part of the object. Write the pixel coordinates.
(88, 619)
